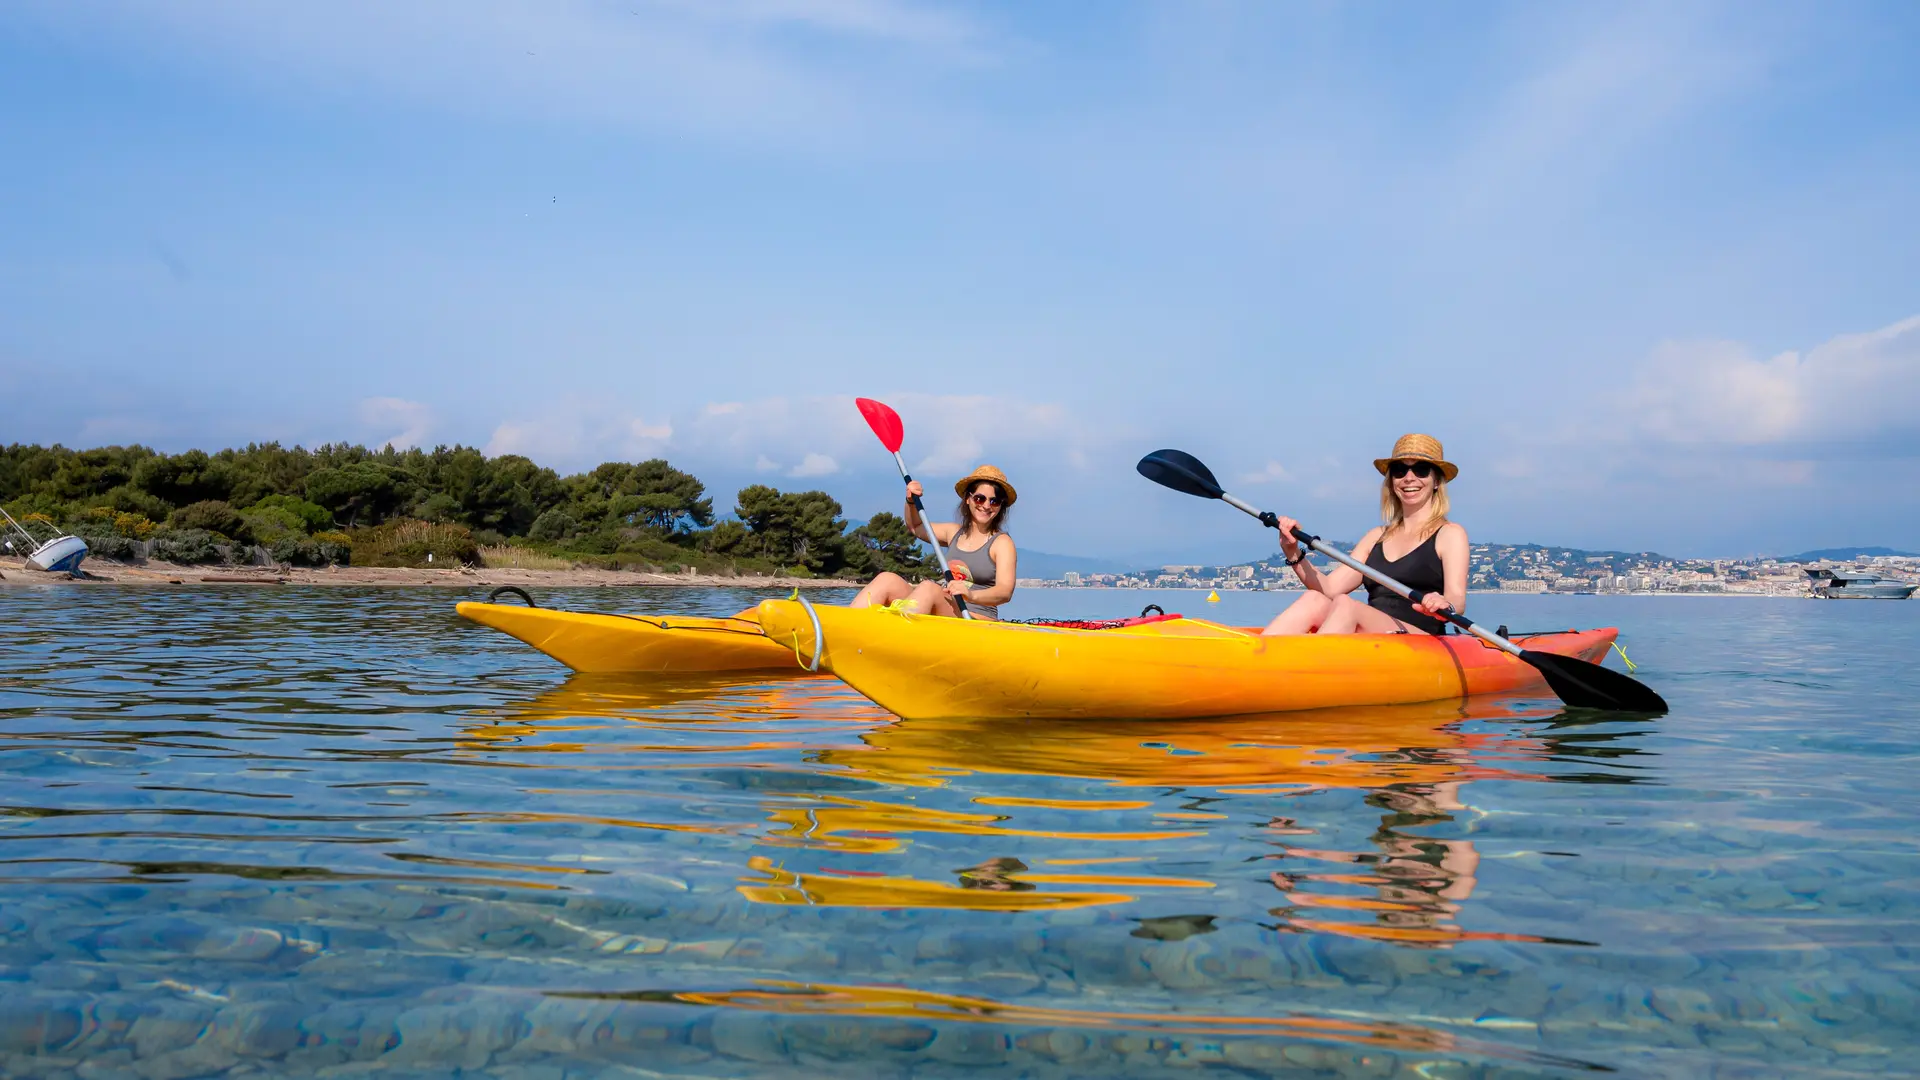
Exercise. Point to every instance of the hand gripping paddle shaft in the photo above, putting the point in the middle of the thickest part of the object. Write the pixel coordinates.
(886, 425)
(1577, 682)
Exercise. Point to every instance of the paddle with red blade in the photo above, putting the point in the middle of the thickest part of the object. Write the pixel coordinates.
(886, 425)
(1580, 683)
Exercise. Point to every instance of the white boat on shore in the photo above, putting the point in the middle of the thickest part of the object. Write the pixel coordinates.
(62, 554)
(1829, 584)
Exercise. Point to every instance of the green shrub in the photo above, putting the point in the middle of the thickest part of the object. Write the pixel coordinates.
(132, 526)
(604, 542)
(187, 546)
(312, 552)
(555, 524)
(408, 543)
(131, 500)
(656, 550)
(313, 518)
(270, 524)
(210, 515)
(109, 546)
(91, 521)
(438, 506)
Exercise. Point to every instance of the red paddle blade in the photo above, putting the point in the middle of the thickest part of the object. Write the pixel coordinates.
(884, 422)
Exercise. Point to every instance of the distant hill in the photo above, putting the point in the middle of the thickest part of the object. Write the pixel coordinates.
(1045, 564)
(1844, 553)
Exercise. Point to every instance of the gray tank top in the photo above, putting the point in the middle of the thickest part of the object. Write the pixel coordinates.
(980, 571)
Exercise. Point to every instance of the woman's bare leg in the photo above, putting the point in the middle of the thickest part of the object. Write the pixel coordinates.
(882, 590)
(1350, 616)
(1344, 616)
(1303, 616)
(930, 599)
(1368, 620)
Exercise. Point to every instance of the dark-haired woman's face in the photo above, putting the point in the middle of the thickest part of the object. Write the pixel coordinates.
(985, 501)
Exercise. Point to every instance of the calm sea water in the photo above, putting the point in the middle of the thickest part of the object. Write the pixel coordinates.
(329, 832)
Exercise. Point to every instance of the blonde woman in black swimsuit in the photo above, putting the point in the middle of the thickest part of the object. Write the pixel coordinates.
(1417, 547)
(979, 552)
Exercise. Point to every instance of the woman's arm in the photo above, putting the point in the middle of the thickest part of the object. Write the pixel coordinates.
(1005, 561)
(915, 525)
(1343, 579)
(1455, 553)
(942, 532)
(1336, 582)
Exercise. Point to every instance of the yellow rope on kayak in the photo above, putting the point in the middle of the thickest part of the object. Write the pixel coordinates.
(1631, 666)
(904, 607)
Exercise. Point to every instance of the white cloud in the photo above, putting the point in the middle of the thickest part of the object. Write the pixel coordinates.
(1274, 472)
(412, 419)
(945, 434)
(650, 432)
(1716, 434)
(1852, 388)
(575, 433)
(815, 465)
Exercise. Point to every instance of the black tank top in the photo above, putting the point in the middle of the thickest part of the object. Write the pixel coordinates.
(1417, 569)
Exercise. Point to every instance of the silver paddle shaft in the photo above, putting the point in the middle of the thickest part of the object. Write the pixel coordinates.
(1371, 574)
(939, 554)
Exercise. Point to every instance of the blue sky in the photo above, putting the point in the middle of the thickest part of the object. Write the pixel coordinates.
(1652, 272)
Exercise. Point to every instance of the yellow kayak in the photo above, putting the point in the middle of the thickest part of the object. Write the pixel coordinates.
(649, 644)
(678, 644)
(931, 668)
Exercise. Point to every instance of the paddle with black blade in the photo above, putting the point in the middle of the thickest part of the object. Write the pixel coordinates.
(886, 425)
(1579, 683)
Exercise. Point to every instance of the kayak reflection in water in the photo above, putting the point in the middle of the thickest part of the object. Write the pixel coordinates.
(1432, 555)
(979, 552)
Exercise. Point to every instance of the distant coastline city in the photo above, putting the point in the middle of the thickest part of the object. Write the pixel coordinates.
(1533, 568)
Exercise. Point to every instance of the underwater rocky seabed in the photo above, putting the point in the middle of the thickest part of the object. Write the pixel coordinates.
(334, 832)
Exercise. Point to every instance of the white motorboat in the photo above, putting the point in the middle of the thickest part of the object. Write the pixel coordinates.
(1829, 584)
(62, 554)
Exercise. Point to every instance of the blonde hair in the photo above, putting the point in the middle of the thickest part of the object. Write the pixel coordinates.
(1395, 515)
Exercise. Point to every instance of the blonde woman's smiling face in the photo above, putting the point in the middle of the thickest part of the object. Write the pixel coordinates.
(1410, 486)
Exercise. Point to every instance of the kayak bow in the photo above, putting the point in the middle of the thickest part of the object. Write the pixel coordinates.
(680, 644)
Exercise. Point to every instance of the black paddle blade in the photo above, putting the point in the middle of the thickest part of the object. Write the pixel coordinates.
(1589, 686)
(1180, 471)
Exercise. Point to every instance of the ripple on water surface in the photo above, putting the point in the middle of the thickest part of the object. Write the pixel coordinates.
(316, 831)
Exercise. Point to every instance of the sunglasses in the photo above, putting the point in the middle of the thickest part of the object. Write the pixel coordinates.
(985, 500)
(1421, 469)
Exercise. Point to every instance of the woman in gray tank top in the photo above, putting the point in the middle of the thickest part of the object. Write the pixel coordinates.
(979, 552)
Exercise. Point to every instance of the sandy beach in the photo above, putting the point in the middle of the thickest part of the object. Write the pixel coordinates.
(13, 571)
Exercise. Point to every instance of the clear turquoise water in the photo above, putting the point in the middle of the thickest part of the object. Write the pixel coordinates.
(326, 832)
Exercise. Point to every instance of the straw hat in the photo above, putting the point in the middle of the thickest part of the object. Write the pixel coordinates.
(987, 472)
(1418, 448)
